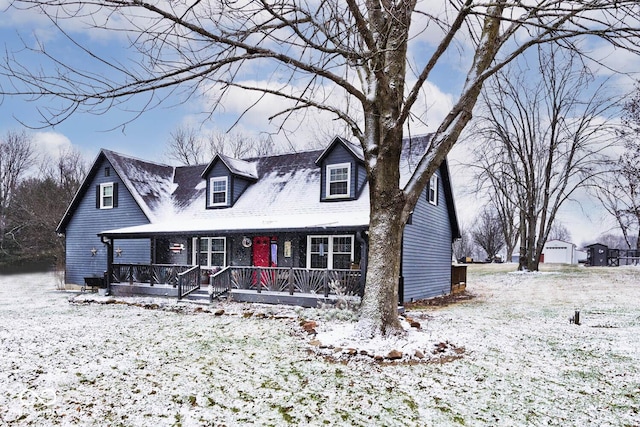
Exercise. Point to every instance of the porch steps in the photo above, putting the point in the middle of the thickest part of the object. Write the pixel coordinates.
(200, 295)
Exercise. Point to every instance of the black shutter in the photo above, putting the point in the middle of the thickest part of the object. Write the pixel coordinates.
(97, 196)
(115, 194)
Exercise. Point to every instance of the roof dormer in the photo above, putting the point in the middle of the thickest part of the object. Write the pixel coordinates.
(227, 179)
(342, 172)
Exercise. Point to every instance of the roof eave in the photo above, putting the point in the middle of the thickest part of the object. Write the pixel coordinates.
(62, 225)
(150, 234)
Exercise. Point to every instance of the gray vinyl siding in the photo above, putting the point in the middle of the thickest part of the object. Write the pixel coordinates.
(361, 177)
(337, 156)
(426, 260)
(238, 185)
(88, 221)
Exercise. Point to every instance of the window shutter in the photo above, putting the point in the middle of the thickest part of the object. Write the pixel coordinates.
(98, 196)
(115, 194)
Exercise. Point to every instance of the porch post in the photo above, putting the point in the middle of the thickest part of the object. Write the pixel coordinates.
(108, 242)
(153, 259)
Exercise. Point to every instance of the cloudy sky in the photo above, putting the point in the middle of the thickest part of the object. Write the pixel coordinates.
(146, 136)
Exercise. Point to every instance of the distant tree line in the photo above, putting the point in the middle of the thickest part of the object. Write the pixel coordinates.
(542, 139)
(35, 191)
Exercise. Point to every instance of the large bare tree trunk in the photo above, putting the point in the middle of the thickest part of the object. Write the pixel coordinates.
(379, 309)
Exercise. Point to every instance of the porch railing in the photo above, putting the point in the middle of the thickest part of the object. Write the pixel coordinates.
(188, 281)
(291, 280)
(153, 274)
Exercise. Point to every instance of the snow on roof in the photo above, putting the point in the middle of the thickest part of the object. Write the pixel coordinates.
(285, 194)
(355, 149)
(412, 150)
(151, 184)
(240, 167)
(558, 241)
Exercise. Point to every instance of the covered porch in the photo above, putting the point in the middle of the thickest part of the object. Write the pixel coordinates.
(281, 266)
(300, 286)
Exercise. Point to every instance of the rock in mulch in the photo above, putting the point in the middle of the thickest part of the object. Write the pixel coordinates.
(309, 326)
(394, 355)
(441, 352)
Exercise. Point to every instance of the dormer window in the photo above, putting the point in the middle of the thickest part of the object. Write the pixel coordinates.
(218, 191)
(339, 180)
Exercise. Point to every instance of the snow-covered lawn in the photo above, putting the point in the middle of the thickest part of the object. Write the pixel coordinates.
(523, 362)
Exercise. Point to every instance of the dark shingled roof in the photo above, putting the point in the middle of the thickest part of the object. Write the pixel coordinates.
(285, 191)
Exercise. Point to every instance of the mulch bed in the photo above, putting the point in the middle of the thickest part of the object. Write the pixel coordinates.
(442, 301)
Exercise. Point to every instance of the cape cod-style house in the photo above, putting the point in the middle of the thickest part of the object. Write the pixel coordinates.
(287, 228)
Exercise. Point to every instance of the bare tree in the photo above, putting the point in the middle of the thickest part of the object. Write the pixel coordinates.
(615, 241)
(559, 232)
(239, 145)
(16, 157)
(487, 232)
(544, 138)
(618, 189)
(67, 170)
(347, 58)
(186, 147)
(464, 246)
(38, 203)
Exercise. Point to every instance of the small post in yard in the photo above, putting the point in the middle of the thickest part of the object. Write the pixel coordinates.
(576, 318)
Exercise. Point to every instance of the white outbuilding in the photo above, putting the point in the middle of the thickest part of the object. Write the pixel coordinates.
(558, 251)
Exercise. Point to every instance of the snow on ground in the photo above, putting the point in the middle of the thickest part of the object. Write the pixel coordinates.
(523, 362)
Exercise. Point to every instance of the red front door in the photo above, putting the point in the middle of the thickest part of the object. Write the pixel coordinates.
(261, 246)
(262, 257)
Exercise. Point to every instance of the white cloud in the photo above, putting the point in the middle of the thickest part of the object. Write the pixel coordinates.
(430, 109)
(50, 143)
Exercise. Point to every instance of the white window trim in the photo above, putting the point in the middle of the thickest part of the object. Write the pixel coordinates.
(328, 180)
(224, 179)
(102, 196)
(196, 251)
(433, 190)
(329, 249)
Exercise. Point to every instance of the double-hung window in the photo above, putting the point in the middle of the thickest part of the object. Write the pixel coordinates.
(212, 252)
(218, 191)
(433, 190)
(339, 180)
(106, 196)
(333, 252)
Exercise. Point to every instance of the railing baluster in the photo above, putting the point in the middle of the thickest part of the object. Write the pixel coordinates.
(326, 283)
(258, 279)
(290, 281)
(180, 279)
